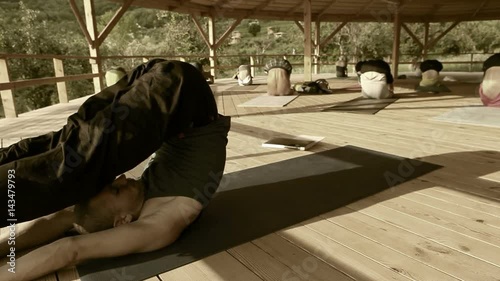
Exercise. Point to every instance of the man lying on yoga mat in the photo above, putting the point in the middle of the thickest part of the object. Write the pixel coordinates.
(375, 78)
(171, 110)
(489, 90)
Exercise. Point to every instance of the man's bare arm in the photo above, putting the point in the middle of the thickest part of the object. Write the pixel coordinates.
(37, 232)
(145, 235)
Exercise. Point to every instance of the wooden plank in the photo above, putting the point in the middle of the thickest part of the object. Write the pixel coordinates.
(464, 199)
(68, 274)
(492, 220)
(221, 266)
(261, 263)
(362, 238)
(453, 222)
(230, 108)
(301, 262)
(357, 265)
(441, 248)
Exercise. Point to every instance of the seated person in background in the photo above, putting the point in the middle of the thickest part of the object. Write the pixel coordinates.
(430, 73)
(243, 75)
(375, 78)
(357, 69)
(489, 90)
(114, 75)
(415, 67)
(278, 77)
(341, 66)
(206, 74)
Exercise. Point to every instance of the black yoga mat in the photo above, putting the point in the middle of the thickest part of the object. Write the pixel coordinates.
(441, 88)
(362, 105)
(252, 87)
(255, 202)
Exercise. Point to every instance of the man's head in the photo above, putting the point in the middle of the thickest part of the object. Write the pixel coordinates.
(118, 203)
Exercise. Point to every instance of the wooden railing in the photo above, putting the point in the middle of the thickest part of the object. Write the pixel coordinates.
(60, 79)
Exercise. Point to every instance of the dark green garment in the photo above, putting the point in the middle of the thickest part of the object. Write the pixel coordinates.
(112, 132)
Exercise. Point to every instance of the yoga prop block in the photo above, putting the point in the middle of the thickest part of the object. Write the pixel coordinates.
(255, 202)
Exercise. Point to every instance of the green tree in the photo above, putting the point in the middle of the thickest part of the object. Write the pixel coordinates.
(254, 28)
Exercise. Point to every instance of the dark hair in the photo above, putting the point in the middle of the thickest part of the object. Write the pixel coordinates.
(92, 219)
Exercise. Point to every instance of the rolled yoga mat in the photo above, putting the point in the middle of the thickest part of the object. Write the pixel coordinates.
(362, 105)
(441, 88)
(255, 202)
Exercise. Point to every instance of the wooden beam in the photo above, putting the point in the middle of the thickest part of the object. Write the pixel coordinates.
(213, 51)
(364, 8)
(258, 8)
(61, 86)
(325, 9)
(426, 40)
(294, 8)
(395, 46)
(228, 31)
(202, 32)
(307, 40)
(412, 35)
(81, 22)
(111, 24)
(44, 81)
(317, 49)
(300, 26)
(91, 24)
(479, 8)
(216, 10)
(334, 32)
(435, 40)
(302, 29)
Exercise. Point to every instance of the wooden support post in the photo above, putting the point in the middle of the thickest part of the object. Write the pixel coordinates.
(61, 86)
(252, 66)
(212, 41)
(471, 62)
(94, 50)
(395, 46)
(9, 107)
(317, 40)
(307, 41)
(426, 41)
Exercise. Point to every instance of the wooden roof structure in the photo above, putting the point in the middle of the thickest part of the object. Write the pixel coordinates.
(335, 10)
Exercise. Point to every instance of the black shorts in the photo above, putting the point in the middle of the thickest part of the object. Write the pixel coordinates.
(189, 165)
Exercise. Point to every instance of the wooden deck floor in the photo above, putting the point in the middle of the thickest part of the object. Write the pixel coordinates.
(442, 226)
